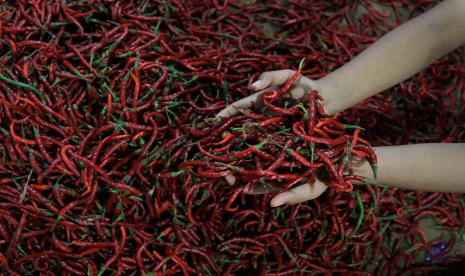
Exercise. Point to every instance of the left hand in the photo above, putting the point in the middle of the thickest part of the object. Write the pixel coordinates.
(266, 81)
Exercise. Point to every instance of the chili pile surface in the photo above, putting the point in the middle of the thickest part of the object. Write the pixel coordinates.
(113, 162)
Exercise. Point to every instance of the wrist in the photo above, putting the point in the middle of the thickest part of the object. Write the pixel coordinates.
(363, 168)
(330, 94)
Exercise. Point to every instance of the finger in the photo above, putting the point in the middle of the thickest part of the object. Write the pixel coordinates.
(297, 92)
(299, 194)
(230, 179)
(235, 107)
(261, 83)
(275, 78)
(227, 112)
(258, 188)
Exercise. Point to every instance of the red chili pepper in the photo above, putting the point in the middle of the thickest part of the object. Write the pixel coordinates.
(248, 151)
(301, 159)
(372, 157)
(269, 121)
(298, 130)
(270, 96)
(328, 164)
(16, 137)
(291, 81)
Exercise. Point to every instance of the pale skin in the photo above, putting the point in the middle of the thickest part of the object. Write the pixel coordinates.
(394, 58)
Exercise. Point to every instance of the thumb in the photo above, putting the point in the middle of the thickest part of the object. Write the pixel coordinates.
(261, 84)
(299, 194)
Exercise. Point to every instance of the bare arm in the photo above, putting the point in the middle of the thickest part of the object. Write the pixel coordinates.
(425, 167)
(396, 56)
(422, 167)
(393, 58)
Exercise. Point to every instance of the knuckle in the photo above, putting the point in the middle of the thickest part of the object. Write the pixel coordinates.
(286, 72)
(306, 83)
(289, 71)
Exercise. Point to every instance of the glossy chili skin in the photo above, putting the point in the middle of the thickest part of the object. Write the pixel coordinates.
(112, 162)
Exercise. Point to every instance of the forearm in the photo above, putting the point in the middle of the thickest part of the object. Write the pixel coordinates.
(395, 57)
(424, 167)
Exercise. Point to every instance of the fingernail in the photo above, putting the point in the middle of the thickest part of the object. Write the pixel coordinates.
(277, 202)
(247, 189)
(231, 179)
(257, 84)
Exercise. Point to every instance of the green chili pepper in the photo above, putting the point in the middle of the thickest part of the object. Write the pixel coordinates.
(23, 85)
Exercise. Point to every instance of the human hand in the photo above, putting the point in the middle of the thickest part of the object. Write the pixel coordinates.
(269, 80)
(265, 82)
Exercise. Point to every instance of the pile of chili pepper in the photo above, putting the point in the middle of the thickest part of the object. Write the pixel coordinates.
(106, 162)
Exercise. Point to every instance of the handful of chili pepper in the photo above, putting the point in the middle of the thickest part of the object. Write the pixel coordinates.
(286, 144)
